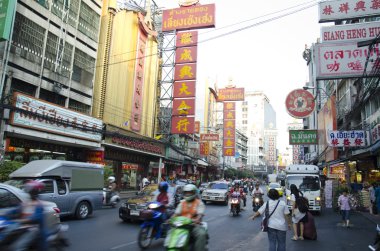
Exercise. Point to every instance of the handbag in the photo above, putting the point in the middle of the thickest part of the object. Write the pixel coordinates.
(265, 221)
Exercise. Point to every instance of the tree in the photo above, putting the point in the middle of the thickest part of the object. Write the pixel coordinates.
(8, 167)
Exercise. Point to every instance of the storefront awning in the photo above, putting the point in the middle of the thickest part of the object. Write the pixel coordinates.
(202, 163)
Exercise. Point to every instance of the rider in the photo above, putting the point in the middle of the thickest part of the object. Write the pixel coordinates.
(192, 207)
(257, 190)
(236, 188)
(31, 213)
(111, 188)
(163, 196)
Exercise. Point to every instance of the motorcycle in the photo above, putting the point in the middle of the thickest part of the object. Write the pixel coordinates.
(235, 203)
(153, 225)
(257, 201)
(10, 231)
(179, 236)
(250, 189)
(110, 198)
(376, 245)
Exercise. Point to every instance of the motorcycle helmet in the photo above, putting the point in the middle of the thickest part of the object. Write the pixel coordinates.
(189, 192)
(163, 186)
(111, 179)
(33, 188)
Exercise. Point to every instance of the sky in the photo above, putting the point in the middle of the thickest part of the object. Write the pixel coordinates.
(266, 57)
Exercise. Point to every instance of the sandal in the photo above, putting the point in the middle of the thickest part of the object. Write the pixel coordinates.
(301, 238)
(295, 238)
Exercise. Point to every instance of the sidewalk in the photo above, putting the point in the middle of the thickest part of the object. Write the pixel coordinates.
(371, 217)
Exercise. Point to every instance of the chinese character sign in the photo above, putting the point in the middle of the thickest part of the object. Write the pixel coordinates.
(300, 103)
(185, 71)
(229, 125)
(346, 138)
(186, 39)
(375, 133)
(197, 126)
(344, 60)
(182, 125)
(184, 89)
(186, 55)
(347, 9)
(204, 148)
(184, 107)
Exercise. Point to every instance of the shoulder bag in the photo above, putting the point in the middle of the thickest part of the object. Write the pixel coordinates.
(264, 223)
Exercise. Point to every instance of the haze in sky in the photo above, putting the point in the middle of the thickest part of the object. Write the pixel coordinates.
(266, 57)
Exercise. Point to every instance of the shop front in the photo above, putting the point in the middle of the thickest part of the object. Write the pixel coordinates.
(41, 130)
(131, 157)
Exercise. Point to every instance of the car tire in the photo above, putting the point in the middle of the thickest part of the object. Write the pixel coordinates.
(83, 210)
(126, 220)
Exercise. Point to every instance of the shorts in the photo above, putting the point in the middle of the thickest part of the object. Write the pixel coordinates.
(345, 214)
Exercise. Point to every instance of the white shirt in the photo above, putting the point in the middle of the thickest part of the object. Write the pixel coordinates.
(145, 181)
(277, 220)
(258, 191)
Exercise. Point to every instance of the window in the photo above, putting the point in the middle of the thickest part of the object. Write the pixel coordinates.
(245, 116)
(8, 199)
(61, 185)
(245, 102)
(49, 186)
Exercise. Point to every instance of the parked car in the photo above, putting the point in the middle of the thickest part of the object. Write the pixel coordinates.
(131, 209)
(76, 187)
(202, 187)
(216, 192)
(277, 186)
(11, 197)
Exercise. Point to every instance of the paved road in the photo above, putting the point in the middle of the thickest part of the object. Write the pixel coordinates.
(105, 231)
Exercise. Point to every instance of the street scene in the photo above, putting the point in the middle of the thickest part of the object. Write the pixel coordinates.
(189, 125)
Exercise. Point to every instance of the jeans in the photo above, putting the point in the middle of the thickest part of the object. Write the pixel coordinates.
(277, 239)
(200, 236)
(345, 214)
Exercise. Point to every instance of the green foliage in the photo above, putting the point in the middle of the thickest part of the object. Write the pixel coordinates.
(231, 173)
(8, 167)
(108, 171)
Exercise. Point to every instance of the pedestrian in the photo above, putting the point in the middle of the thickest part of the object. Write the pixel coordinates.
(298, 217)
(372, 197)
(344, 204)
(278, 222)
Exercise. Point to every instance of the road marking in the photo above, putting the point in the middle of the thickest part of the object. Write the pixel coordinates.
(124, 245)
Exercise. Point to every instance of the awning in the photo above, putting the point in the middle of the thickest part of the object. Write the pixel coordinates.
(202, 163)
(375, 147)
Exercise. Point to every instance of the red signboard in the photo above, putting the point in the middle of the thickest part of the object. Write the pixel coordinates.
(300, 103)
(228, 142)
(228, 106)
(197, 126)
(186, 18)
(182, 125)
(231, 94)
(204, 148)
(184, 89)
(228, 133)
(186, 55)
(229, 115)
(209, 137)
(184, 106)
(228, 151)
(229, 124)
(187, 38)
(185, 71)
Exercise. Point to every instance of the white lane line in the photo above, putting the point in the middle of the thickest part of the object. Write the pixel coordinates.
(124, 245)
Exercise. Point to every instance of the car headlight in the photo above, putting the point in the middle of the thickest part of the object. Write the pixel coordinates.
(288, 197)
(318, 198)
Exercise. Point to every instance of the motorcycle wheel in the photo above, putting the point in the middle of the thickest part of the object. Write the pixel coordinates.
(145, 237)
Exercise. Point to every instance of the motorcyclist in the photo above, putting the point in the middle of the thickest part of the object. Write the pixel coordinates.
(31, 213)
(236, 188)
(111, 189)
(192, 207)
(163, 197)
(257, 190)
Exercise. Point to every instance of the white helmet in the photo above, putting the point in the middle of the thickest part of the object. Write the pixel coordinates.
(111, 179)
(189, 192)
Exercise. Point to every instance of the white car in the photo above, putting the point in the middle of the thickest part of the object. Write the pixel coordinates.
(216, 192)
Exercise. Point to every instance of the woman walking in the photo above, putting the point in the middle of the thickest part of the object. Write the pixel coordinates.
(298, 218)
(344, 204)
(278, 220)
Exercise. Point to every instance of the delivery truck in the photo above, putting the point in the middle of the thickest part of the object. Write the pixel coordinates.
(76, 187)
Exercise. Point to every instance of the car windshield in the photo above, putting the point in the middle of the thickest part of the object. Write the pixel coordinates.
(17, 183)
(274, 185)
(218, 186)
(304, 183)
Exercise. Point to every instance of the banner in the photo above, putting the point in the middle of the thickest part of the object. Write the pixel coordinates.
(204, 148)
(354, 138)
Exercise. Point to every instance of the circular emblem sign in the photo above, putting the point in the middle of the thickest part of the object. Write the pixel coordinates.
(186, 3)
(300, 103)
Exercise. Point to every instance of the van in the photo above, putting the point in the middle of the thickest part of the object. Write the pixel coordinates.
(76, 187)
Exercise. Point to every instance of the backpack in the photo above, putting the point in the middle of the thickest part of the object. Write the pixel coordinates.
(302, 204)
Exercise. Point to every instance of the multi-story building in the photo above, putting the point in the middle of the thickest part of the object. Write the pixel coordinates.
(256, 118)
(50, 68)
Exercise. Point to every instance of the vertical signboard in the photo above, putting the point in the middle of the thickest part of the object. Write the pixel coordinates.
(229, 126)
(7, 8)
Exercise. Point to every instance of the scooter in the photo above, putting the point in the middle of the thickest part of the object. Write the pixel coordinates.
(235, 203)
(179, 236)
(110, 198)
(10, 231)
(257, 202)
(153, 226)
(376, 245)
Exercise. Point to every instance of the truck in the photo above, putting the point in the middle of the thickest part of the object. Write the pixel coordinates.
(76, 187)
(306, 178)
(272, 178)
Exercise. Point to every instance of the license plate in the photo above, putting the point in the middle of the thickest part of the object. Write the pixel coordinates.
(135, 212)
(212, 198)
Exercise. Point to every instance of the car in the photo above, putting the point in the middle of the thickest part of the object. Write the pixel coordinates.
(202, 187)
(216, 192)
(277, 186)
(131, 209)
(11, 197)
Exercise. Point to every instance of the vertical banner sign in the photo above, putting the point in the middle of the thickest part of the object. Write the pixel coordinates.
(7, 8)
(204, 148)
(229, 129)
(138, 83)
(197, 127)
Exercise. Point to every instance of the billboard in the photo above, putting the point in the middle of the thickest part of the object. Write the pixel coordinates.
(347, 9)
(231, 94)
(350, 32)
(303, 137)
(7, 9)
(186, 18)
(344, 60)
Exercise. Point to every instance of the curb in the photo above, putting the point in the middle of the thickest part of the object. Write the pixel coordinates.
(373, 219)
